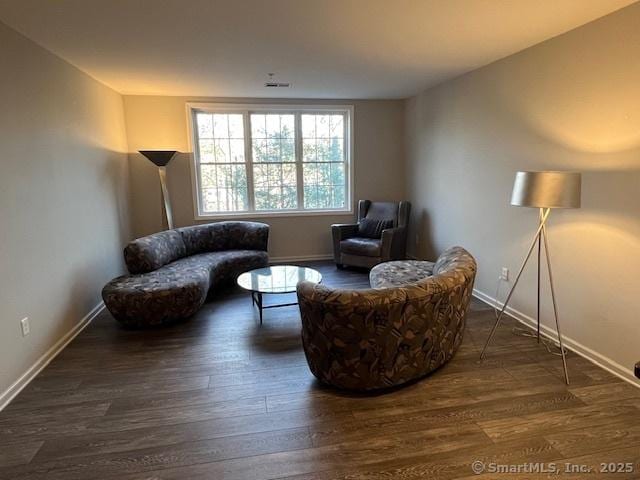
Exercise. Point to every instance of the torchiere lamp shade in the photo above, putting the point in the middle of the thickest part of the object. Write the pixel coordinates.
(160, 157)
(547, 189)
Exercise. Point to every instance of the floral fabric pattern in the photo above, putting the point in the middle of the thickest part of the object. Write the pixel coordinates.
(149, 253)
(399, 272)
(380, 338)
(174, 271)
(155, 298)
(214, 237)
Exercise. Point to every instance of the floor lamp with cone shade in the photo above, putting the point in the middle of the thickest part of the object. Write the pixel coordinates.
(545, 191)
(161, 158)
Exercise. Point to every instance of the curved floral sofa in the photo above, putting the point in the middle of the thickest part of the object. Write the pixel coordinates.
(384, 337)
(173, 271)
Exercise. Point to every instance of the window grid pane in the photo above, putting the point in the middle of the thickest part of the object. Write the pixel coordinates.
(224, 187)
(275, 186)
(273, 137)
(222, 171)
(215, 143)
(324, 185)
(274, 161)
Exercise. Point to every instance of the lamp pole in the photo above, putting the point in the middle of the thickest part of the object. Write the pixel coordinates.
(162, 171)
(161, 158)
(547, 254)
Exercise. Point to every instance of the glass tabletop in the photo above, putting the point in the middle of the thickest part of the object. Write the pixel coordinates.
(277, 279)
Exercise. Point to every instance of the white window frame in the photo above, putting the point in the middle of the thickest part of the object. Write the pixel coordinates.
(246, 110)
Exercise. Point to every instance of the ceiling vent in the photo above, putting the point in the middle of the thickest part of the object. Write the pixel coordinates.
(277, 84)
(271, 83)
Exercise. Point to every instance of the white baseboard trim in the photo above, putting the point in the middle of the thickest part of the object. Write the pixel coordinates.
(594, 357)
(46, 358)
(301, 258)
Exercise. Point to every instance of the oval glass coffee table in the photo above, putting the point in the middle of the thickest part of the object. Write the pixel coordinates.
(276, 280)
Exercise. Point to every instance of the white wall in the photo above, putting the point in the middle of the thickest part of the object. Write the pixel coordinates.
(571, 103)
(63, 198)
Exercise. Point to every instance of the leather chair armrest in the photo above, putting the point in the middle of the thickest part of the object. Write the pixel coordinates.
(394, 244)
(342, 231)
(345, 230)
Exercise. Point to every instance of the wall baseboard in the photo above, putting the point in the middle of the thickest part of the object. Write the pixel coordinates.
(594, 357)
(302, 258)
(45, 359)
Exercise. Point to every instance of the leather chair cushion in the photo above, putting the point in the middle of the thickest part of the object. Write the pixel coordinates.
(369, 247)
(383, 211)
(369, 228)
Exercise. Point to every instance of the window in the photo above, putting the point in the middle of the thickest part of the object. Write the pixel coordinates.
(271, 159)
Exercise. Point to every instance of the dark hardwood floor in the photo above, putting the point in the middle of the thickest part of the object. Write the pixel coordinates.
(220, 397)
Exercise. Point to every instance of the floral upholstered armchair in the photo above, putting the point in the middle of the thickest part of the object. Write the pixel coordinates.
(385, 337)
(379, 236)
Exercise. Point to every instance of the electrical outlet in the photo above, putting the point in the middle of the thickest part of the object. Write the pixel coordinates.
(504, 274)
(24, 323)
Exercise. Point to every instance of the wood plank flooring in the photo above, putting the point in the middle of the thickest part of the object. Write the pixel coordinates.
(221, 397)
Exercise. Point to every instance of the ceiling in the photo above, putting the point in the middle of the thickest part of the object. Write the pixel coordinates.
(325, 48)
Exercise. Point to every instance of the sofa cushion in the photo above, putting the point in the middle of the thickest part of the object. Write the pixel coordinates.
(163, 296)
(231, 263)
(399, 272)
(368, 247)
(219, 236)
(247, 235)
(370, 228)
(149, 253)
(204, 238)
(153, 251)
(225, 266)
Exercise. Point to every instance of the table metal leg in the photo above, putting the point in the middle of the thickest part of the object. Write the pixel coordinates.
(256, 300)
(259, 302)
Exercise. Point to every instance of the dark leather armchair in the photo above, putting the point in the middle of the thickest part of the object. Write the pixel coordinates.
(351, 249)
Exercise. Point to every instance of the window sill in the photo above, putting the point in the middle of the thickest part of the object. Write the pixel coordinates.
(274, 214)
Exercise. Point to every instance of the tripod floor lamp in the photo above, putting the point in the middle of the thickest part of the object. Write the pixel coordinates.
(161, 158)
(545, 191)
